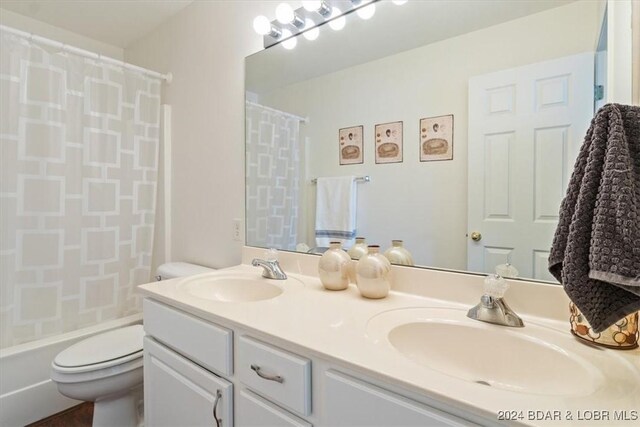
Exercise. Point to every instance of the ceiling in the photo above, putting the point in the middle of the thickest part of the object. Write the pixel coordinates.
(115, 22)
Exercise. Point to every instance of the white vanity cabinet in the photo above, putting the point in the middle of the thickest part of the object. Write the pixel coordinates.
(351, 402)
(178, 392)
(254, 411)
(189, 360)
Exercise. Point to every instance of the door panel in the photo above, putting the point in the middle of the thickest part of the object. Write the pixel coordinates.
(177, 392)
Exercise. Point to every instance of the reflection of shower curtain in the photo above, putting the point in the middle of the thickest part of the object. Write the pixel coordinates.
(78, 164)
(273, 177)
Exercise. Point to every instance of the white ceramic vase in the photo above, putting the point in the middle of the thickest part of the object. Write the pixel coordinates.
(372, 274)
(398, 254)
(358, 249)
(333, 268)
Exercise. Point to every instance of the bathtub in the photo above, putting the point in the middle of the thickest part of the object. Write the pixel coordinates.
(26, 392)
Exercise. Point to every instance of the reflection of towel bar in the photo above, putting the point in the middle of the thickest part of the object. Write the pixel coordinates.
(365, 178)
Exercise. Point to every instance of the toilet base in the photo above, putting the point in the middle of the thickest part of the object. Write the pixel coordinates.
(118, 410)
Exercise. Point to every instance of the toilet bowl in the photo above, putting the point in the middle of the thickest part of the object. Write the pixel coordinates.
(105, 369)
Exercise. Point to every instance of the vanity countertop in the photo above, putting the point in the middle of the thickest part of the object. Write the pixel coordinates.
(341, 326)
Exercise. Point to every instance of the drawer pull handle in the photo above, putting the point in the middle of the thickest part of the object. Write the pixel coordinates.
(215, 409)
(276, 378)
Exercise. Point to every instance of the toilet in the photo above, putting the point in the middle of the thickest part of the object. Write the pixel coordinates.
(107, 368)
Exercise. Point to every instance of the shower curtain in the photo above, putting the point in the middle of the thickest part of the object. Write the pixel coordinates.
(273, 177)
(78, 162)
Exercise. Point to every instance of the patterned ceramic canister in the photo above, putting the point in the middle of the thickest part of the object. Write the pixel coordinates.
(622, 335)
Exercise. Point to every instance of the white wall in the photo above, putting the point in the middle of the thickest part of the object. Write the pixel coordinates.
(425, 204)
(204, 47)
(30, 25)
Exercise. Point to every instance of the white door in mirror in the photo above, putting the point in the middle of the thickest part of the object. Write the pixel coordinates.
(526, 125)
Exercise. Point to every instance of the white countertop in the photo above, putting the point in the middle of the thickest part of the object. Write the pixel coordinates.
(333, 324)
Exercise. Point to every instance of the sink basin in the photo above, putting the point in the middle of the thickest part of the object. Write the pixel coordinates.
(534, 359)
(236, 287)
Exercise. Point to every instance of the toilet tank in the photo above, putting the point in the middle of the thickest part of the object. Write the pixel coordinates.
(171, 270)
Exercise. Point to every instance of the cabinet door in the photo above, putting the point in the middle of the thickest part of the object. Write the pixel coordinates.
(352, 402)
(177, 392)
(254, 411)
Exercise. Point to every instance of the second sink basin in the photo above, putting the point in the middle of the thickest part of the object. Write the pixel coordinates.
(235, 287)
(534, 359)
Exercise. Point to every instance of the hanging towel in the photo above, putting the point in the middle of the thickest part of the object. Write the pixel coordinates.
(596, 248)
(336, 210)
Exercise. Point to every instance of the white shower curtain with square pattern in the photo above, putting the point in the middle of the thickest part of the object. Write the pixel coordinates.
(79, 159)
(273, 193)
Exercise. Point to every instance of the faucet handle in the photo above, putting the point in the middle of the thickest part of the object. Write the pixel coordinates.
(271, 255)
(495, 286)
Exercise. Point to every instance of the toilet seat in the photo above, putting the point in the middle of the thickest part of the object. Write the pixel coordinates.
(109, 353)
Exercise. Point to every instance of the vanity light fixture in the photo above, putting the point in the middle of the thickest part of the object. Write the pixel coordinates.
(306, 19)
(289, 42)
(286, 15)
(262, 26)
(366, 11)
(399, 2)
(317, 6)
(313, 31)
(338, 21)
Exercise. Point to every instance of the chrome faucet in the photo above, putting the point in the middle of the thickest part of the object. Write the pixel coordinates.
(492, 307)
(272, 269)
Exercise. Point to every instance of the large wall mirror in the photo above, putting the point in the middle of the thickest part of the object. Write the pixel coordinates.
(517, 78)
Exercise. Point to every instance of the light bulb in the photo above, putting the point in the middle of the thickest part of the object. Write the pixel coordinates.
(313, 32)
(399, 2)
(290, 43)
(312, 5)
(284, 13)
(338, 23)
(367, 12)
(262, 25)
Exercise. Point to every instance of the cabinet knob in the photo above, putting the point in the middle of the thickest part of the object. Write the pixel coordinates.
(476, 236)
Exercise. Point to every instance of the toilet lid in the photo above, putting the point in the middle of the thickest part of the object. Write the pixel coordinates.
(102, 347)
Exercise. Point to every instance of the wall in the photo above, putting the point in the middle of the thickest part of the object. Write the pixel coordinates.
(31, 25)
(204, 47)
(425, 204)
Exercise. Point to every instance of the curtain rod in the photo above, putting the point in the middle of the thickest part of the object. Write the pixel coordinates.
(365, 178)
(302, 119)
(65, 47)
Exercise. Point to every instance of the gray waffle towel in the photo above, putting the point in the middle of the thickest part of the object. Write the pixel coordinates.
(596, 248)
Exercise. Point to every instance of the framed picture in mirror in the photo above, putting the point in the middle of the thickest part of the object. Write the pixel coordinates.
(436, 138)
(350, 147)
(388, 142)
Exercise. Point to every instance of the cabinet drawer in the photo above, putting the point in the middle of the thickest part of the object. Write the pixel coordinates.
(207, 344)
(254, 411)
(260, 366)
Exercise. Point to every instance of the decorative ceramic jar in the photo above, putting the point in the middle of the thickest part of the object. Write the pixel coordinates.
(398, 254)
(622, 335)
(333, 268)
(372, 274)
(358, 249)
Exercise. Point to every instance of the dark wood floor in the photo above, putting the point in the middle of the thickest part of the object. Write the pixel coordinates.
(77, 416)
